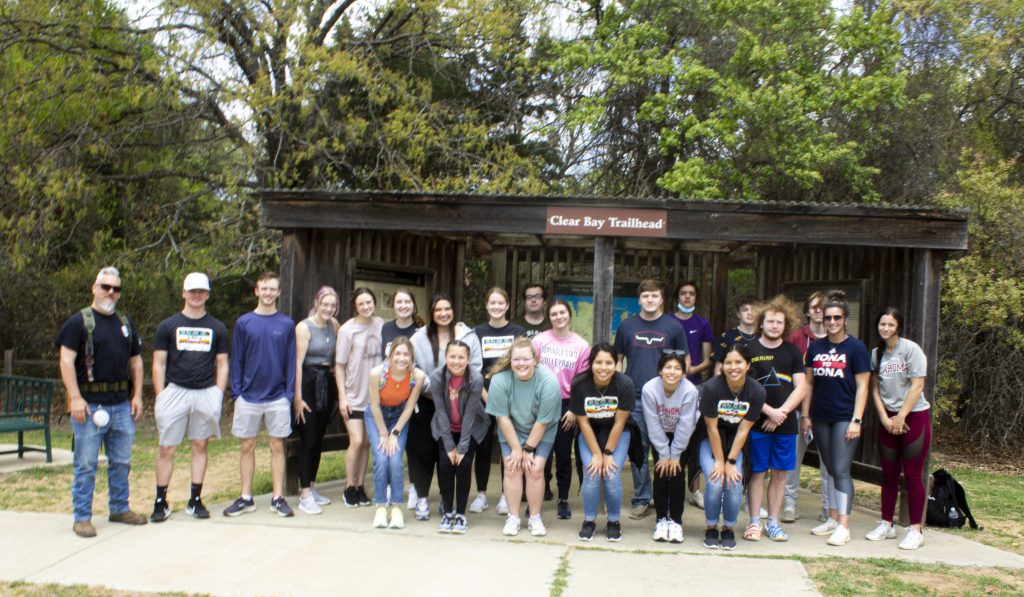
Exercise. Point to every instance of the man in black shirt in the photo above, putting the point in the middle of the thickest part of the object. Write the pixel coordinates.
(101, 367)
(190, 372)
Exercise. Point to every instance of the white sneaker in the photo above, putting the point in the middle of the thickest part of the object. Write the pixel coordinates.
(380, 518)
(536, 526)
(790, 513)
(479, 503)
(308, 504)
(763, 513)
(502, 507)
(912, 540)
(825, 528)
(413, 498)
(511, 527)
(675, 532)
(422, 509)
(320, 500)
(661, 531)
(882, 532)
(840, 536)
(697, 499)
(397, 519)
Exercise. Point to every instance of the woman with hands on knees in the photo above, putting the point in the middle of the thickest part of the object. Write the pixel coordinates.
(395, 388)
(316, 395)
(670, 408)
(525, 399)
(459, 424)
(730, 404)
(601, 399)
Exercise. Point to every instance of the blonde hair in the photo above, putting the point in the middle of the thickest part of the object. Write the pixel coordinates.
(402, 341)
(780, 304)
(505, 362)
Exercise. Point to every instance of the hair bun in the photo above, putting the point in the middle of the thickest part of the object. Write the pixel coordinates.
(836, 296)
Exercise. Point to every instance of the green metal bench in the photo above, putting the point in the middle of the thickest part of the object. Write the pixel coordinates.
(25, 403)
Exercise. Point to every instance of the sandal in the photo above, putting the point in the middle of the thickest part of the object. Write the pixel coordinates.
(753, 532)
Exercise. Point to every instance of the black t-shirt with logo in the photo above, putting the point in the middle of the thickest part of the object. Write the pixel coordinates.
(718, 402)
(531, 330)
(390, 331)
(113, 345)
(727, 340)
(774, 368)
(192, 347)
(585, 400)
(495, 342)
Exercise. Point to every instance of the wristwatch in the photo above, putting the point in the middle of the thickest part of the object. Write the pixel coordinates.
(527, 448)
(396, 432)
(607, 452)
(855, 420)
(731, 461)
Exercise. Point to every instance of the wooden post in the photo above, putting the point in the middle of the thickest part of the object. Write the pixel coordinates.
(9, 361)
(924, 327)
(719, 292)
(292, 266)
(604, 288)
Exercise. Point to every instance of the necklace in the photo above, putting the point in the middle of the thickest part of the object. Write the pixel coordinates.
(834, 345)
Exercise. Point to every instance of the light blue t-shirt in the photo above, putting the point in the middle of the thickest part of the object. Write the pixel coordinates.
(526, 402)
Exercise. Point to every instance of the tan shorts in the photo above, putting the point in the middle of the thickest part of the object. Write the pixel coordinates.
(248, 415)
(179, 409)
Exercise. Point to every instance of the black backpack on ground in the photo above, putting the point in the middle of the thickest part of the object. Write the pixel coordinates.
(947, 505)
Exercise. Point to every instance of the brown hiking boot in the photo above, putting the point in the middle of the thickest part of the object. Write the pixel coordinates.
(128, 517)
(84, 528)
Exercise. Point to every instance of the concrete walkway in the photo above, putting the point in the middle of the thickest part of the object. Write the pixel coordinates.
(338, 551)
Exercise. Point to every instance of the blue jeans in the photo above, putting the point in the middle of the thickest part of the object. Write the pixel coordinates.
(642, 491)
(117, 438)
(720, 501)
(387, 470)
(612, 485)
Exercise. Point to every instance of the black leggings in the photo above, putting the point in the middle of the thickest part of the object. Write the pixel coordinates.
(311, 433)
(563, 453)
(421, 449)
(482, 464)
(452, 480)
(669, 492)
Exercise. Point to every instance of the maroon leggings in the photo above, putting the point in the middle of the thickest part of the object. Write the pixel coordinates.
(909, 452)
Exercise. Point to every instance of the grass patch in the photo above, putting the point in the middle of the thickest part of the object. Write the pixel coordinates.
(22, 589)
(561, 579)
(848, 576)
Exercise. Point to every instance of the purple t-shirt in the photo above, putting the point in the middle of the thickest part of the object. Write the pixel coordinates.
(698, 331)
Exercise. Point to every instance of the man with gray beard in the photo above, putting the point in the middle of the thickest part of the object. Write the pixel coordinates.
(101, 367)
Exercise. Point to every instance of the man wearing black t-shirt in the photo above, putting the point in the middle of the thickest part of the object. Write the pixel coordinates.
(190, 373)
(534, 319)
(743, 333)
(101, 367)
(778, 366)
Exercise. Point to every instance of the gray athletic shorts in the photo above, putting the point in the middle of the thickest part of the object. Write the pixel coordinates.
(179, 409)
(278, 414)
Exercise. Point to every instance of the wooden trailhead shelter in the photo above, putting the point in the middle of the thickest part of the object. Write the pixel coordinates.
(597, 249)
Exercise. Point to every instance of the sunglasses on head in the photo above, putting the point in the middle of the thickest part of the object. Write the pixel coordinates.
(109, 288)
(833, 318)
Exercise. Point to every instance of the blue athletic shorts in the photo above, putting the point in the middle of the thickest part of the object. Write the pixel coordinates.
(772, 450)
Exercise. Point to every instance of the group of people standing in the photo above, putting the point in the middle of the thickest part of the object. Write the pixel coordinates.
(735, 413)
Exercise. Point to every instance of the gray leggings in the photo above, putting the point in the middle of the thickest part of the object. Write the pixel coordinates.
(837, 456)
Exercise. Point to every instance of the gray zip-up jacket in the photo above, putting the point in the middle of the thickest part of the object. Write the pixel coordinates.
(471, 408)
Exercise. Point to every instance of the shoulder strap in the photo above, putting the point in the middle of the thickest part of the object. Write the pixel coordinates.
(89, 321)
(961, 500)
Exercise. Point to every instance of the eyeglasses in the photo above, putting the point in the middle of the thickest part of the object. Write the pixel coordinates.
(533, 297)
(109, 288)
(833, 318)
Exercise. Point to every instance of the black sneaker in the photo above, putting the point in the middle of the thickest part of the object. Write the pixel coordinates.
(280, 507)
(613, 531)
(364, 500)
(587, 532)
(196, 509)
(161, 511)
(728, 539)
(711, 538)
(548, 496)
(350, 497)
(563, 510)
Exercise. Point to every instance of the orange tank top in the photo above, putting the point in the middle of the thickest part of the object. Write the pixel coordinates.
(394, 392)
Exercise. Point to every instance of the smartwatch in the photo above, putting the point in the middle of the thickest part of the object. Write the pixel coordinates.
(855, 420)
(607, 452)
(528, 449)
(396, 432)
(731, 461)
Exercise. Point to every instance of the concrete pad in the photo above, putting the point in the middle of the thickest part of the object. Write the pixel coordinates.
(593, 572)
(32, 542)
(10, 462)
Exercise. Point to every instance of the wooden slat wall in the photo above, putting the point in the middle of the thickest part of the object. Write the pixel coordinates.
(318, 257)
(890, 282)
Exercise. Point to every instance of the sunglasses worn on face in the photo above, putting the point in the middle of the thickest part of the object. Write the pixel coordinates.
(833, 318)
(109, 288)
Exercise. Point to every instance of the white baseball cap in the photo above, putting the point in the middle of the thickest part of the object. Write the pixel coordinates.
(197, 281)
